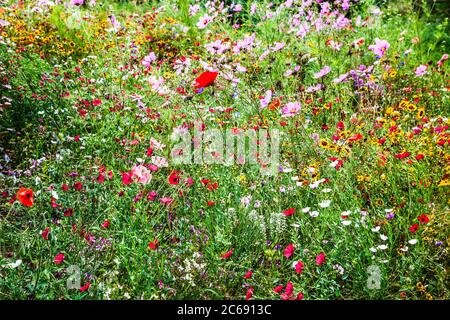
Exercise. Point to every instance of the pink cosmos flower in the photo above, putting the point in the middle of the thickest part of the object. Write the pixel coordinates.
(278, 46)
(441, 61)
(266, 100)
(380, 47)
(324, 71)
(114, 22)
(204, 21)
(141, 174)
(421, 70)
(166, 200)
(147, 61)
(291, 109)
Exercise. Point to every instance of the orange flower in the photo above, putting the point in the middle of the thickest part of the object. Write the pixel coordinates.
(25, 196)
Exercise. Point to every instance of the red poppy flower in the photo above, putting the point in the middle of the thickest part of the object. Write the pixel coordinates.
(78, 186)
(414, 228)
(174, 178)
(25, 196)
(212, 186)
(278, 289)
(248, 275)
(402, 155)
(153, 245)
(355, 137)
(105, 224)
(85, 287)
(205, 79)
(205, 181)
(320, 259)
(289, 250)
(300, 296)
(227, 254)
(249, 294)
(420, 157)
(45, 233)
(289, 212)
(101, 178)
(59, 258)
(423, 219)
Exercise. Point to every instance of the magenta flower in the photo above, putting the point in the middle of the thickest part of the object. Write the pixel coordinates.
(59, 258)
(320, 259)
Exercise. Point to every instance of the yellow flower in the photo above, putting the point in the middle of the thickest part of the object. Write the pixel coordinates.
(381, 121)
(403, 104)
(420, 113)
(411, 107)
(324, 144)
(444, 183)
(420, 286)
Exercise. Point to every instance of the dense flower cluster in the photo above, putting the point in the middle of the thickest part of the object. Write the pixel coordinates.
(93, 98)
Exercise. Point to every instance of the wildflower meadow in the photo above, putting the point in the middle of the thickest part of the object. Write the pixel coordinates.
(224, 149)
